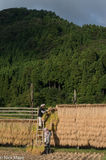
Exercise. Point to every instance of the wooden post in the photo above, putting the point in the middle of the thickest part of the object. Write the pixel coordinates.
(32, 98)
(75, 96)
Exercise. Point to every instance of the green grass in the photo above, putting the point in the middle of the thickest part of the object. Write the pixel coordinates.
(91, 150)
(58, 149)
(104, 157)
(12, 148)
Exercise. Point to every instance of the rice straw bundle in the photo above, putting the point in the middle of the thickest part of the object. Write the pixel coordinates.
(86, 122)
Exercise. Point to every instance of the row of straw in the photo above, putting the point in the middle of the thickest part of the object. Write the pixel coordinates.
(17, 133)
(82, 125)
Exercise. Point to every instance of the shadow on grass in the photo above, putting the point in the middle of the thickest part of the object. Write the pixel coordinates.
(79, 149)
(13, 148)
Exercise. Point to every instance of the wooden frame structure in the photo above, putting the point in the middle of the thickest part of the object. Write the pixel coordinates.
(18, 113)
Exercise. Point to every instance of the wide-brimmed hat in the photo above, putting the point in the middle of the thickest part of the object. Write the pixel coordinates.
(42, 105)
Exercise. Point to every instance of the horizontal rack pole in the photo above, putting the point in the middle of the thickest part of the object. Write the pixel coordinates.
(18, 119)
(18, 108)
(16, 114)
(19, 111)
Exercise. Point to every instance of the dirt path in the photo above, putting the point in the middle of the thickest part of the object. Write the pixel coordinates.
(21, 155)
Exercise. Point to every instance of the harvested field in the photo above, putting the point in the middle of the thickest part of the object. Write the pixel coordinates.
(21, 155)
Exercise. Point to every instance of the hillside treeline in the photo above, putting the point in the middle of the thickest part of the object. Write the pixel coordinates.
(56, 56)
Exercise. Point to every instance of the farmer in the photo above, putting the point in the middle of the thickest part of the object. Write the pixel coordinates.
(40, 114)
(47, 135)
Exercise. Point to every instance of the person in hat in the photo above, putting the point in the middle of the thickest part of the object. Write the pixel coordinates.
(40, 114)
(47, 136)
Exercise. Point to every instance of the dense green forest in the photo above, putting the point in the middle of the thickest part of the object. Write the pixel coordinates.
(56, 56)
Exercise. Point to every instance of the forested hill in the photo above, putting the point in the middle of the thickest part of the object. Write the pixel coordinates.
(56, 56)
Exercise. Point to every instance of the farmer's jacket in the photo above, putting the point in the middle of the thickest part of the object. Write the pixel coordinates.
(41, 112)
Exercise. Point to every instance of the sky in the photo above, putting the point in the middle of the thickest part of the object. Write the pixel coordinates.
(79, 12)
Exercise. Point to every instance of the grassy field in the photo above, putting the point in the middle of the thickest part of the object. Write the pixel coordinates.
(59, 149)
(80, 150)
(14, 149)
